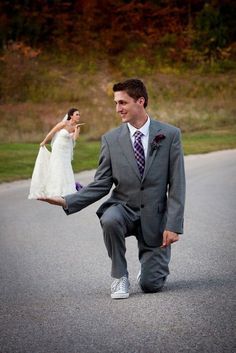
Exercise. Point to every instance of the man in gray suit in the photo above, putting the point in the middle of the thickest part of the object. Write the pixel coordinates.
(143, 160)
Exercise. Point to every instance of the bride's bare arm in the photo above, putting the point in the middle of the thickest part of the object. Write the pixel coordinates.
(52, 132)
(56, 200)
(76, 133)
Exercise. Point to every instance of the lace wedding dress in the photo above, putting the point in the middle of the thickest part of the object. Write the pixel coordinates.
(53, 174)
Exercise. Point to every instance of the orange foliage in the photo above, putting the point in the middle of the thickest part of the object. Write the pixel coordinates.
(21, 49)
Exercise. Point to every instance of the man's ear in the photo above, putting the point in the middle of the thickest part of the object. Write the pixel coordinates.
(141, 101)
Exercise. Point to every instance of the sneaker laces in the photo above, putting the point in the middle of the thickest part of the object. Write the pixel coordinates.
(119, 284)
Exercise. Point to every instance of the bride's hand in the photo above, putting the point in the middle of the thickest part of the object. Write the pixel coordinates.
(56, 200)
(42, 144)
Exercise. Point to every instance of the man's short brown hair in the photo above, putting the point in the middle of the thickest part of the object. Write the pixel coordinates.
(135, 88)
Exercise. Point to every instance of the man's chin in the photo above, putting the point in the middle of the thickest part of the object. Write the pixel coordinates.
(124, 119)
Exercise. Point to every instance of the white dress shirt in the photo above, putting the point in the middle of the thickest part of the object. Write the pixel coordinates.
(145, 131)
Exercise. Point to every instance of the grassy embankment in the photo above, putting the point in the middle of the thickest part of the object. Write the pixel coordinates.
(17, 159)
(201, 104)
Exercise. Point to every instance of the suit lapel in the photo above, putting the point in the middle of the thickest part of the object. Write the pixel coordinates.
(128, 151)
(127, 148)
(153, 130)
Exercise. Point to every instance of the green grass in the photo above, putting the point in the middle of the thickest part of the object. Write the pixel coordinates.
(209, 141)
(17, 159)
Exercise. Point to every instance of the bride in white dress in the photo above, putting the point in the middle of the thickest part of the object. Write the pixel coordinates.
(53, 174)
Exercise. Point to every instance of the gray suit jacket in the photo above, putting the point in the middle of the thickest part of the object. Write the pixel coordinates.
(157, 199)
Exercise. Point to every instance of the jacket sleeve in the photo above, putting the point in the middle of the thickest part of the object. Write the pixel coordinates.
(176, 188)
(94, 191)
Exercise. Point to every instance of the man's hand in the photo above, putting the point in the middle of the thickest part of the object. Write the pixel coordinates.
(56, 200)
(168, 238)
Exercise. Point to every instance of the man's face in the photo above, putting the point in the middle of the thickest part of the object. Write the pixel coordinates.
(127, 107)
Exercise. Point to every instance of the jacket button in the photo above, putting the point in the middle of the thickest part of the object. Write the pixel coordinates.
(142, 206)
(142, 188)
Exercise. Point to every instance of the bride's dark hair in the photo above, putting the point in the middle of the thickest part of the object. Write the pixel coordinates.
(71, 112)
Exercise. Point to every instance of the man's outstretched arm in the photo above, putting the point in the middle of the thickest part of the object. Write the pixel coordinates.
(56, 200)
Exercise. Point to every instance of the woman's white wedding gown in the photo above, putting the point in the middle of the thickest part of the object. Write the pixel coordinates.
(53, 174)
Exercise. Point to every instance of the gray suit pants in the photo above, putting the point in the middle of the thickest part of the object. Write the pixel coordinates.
(117, 224)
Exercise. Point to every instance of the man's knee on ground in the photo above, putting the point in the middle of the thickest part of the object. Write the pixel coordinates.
(151, 285)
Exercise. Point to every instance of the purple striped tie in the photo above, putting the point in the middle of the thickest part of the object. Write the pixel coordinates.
(139, 151)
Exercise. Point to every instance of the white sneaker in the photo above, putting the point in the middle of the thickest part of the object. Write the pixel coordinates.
(139, 277)
(120, 288)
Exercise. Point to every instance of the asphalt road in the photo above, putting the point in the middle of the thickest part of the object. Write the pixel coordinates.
(55, 275)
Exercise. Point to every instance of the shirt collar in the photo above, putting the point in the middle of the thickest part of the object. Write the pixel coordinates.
(144, 129)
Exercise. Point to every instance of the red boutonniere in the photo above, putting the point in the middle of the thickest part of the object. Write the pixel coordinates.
(155, 144)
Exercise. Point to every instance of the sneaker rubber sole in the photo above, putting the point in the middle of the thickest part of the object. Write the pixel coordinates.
(120, 295)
